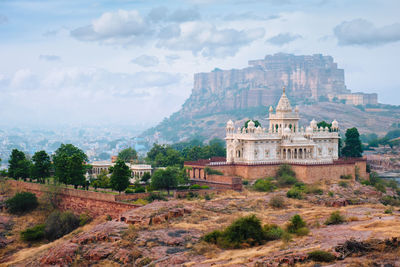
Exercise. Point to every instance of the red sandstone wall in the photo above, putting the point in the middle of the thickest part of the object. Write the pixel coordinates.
(80, 201)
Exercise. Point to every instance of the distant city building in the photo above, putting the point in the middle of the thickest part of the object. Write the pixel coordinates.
(356, 98)
(283, 141)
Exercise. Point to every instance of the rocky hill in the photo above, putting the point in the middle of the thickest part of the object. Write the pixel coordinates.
(240, 94)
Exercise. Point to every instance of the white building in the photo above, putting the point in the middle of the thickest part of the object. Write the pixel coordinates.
(283, 141)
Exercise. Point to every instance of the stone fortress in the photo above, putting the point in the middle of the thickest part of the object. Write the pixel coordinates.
(284, 141)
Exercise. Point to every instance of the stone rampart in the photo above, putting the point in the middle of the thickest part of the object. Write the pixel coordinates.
(79, 201)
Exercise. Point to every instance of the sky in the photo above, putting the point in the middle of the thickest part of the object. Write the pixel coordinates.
(132, 62)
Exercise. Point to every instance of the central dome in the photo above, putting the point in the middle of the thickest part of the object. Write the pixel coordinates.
(284, 104)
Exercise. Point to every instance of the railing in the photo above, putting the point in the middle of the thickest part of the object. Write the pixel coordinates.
(275, 162)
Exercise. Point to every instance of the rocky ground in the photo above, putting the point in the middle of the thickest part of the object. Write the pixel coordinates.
(168, 233)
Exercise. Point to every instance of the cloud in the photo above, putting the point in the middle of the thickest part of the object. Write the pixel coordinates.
(209, 41)
(365, 33)
(146, 61)
(170, 59)
(248, 16)
(283, 38)
(180, 31)
(49, 58)
(3, 19)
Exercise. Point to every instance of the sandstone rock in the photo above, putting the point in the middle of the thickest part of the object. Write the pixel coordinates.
(108, 231)
(62, 255)
(123, 256)
(99, 252)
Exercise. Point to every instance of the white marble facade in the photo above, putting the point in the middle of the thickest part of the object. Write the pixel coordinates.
(283, 141)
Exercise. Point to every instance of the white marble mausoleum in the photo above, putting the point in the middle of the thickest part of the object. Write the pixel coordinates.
(284, 141)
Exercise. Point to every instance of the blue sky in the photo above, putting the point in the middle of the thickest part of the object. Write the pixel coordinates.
(125, 62)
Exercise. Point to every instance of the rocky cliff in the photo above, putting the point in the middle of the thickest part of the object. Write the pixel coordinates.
(239, 94)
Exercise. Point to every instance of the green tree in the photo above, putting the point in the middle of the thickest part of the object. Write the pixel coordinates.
(41, 166)
(146, 177)
(165, 179)
(127, 154)
(352, 146)
(324, 124)
(69, 162)
(120, 176)
(19, 165)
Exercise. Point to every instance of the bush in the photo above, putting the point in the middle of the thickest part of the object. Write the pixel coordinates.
(264, 185)
(129, 191)
(272, 232)
(277, 202)
(155, 196)
(392, 201)
(335, 218)
(59, 224)
(84, 218)
(285, 175)
(140, 190)
(205, 187)
(195, 187)
(346, 177)
(296, 223)
(330, 193)
(182, 187)
(343, 184)
(108, 217)
(34, 233)
(207, 197)
(243, 232)
(380, 187)
(322, 256)
(302, 231)
(286, 180)
(22, 202)
(294, 193)
(365, 182)
(313, 189)
(245, 182)
(208, 170)
(388, 211)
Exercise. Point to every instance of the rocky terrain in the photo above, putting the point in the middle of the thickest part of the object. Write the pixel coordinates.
(241, 94)
(168, 233)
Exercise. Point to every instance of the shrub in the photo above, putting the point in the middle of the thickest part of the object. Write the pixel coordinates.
(272, 232)
(129, 191)
(34, 233)
(205, 187)
(294, 193)
(365, 182)
(182, 187)
(313, 189)
(108, 217)
(245, 182)
(285, 169)
(207, 197)
(388, 211)
(84, 218)
(140, 190)
(277, 202)
(335, 218)
(286, 180)
(346, 177)
(330, 193)
(302, 231)
(22, 202)
(59, 224)
(243, 232)
(343, 184)
(388, 200)
(322, 256)
(194, 187)
(380, 187)
(155, 196)
(296, 222)
(264, 185)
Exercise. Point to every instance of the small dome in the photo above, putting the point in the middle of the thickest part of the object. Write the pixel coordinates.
(251, 124)
(326, 129)
(313, 124)
(287, 130)
(296, 109)
(335, 124)
(271, 109)
(229, 124)
(284, 104)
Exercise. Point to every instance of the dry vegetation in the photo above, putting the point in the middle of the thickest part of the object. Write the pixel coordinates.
(178, 240)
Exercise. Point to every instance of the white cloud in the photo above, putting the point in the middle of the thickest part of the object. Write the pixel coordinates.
(146, 61)
(283, 38)
(363, 32)
(206, 39)
(49, 58)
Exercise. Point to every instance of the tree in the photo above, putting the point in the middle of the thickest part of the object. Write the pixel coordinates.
(19, 165)
(120, 176)
(41, 166)
(324, 124)
(127, 155)
(256, 123)
(69, 162)
(352, 146)
(146, 177)
(165, 179)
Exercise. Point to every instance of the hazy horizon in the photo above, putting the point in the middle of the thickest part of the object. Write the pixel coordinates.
(132, 62)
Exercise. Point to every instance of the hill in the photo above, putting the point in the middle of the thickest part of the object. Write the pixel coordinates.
(312, 82)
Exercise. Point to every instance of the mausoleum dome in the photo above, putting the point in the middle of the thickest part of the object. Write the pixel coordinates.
(271, 109)
(313, 124)
(251, 124)
(229, 124)
(335, 124)
(284, 104)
